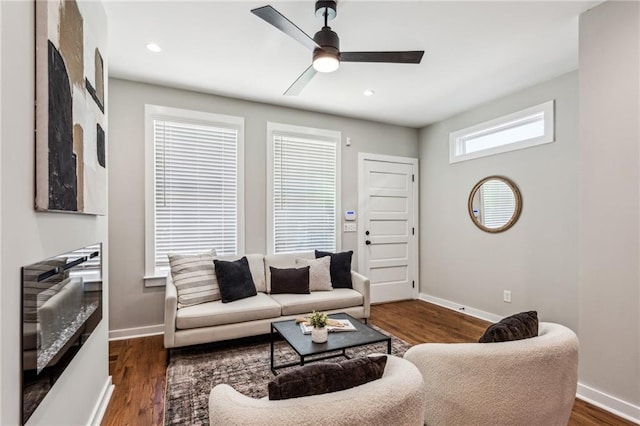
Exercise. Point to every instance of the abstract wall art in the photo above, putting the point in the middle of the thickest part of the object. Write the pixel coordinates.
(71, 174)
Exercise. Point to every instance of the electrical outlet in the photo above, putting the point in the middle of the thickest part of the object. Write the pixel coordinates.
(350, 227)
(507, 296)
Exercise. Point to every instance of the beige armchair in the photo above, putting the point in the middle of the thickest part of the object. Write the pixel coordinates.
(395, 399)
(524, 382)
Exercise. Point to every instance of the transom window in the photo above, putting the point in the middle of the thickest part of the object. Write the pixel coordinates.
(522, 129)
(194, 184)
(303, 188)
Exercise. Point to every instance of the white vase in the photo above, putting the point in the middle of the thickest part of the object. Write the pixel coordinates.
(319, 335)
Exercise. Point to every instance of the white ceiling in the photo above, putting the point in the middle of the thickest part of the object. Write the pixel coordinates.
(475, 51)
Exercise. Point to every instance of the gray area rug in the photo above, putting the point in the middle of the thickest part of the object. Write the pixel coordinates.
(242, 364)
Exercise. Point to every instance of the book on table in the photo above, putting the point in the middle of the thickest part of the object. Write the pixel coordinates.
(336, 325)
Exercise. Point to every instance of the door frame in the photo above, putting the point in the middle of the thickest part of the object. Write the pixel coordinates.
(414, 255)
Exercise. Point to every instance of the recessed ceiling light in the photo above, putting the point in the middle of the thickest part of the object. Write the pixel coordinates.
(154, 47)
(368, 92)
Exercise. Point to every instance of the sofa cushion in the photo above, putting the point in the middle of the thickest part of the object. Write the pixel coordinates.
(515, 327)
(256, 266)
(316, 379)
(282, 260)
(340, 268)
(195, 278)
(339, 298)
(319, 273)
(289, 280)
(235, 279)
(209, 314)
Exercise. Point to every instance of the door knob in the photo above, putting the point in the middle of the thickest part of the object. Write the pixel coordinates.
(367, 233)
(367, 242)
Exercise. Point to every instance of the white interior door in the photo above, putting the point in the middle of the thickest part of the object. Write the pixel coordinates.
(387, 233)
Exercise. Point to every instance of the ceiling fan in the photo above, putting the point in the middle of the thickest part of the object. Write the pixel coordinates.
(325, 45)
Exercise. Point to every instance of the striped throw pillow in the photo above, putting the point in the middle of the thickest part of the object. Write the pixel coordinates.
(195, 278)
(36, 293)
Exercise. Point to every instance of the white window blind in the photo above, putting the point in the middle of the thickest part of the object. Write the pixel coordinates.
(196, 188)
(498, 203)
(304, 193)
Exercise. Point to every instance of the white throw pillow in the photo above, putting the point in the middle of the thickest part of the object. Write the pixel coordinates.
(319, 273)
(195, 278)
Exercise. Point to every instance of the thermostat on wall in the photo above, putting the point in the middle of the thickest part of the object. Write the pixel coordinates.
(350, 215)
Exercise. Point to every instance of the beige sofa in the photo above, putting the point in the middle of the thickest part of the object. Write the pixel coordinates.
(523, 382)
(397, 398)
(215, 321)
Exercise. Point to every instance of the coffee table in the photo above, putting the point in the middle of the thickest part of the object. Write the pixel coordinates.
(337, 341)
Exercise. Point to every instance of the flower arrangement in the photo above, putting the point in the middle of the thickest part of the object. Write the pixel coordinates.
(318, 319)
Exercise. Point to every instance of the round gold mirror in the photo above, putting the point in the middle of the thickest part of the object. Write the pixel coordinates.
(495, 204)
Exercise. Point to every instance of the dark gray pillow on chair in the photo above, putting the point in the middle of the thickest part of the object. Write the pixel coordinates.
(325, 377)
(234, 279)
(515, 327)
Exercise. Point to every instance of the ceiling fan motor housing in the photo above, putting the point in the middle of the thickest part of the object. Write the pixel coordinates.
(328, 41)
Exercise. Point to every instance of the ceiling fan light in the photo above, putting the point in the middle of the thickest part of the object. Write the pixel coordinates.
(327, 57)
(326, 64)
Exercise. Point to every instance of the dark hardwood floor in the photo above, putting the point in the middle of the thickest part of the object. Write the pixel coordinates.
(138, 366)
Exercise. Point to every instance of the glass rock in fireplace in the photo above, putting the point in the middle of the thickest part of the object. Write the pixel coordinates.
(61, 306)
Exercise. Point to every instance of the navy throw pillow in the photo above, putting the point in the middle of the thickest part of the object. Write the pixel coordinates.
(325, 377)
(234, 279)
(340, 268)
(515, 327)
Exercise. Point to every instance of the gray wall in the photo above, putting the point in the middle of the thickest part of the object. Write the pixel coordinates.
(610, 197)
(28, 236)
(574, 255)
(133, 305)
(537, 259)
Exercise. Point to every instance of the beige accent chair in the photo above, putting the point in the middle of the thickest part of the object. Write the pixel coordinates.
(524, 382)
(397, 398)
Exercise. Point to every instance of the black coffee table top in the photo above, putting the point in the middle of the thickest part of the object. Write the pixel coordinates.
(338, 340)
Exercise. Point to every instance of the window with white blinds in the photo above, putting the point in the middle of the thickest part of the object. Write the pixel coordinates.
(498, 203)
(196, 190)
(303, 188)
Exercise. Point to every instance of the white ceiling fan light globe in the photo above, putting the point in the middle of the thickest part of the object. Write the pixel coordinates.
(326, 63)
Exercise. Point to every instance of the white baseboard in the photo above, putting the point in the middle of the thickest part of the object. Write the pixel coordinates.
(101, 407)
(610, 403)
(130, 333)
(614, 405)
(468, 310)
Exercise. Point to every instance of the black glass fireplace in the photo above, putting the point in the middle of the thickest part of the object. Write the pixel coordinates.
(61, 306)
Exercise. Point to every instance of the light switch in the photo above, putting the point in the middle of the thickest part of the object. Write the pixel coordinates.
(350, 227)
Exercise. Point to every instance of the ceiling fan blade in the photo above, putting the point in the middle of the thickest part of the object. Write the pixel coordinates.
(408, 57)
(301, 82)
(278, 20)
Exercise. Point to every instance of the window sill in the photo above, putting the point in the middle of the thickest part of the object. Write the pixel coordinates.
(155, 280)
